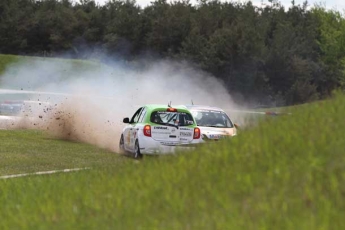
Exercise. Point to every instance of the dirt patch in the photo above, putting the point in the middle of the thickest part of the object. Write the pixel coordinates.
(83, 120)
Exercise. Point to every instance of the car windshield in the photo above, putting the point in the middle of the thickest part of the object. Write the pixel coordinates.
(212, 118)
(171, 118)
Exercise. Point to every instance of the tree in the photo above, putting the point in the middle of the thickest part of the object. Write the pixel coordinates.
(331, 41)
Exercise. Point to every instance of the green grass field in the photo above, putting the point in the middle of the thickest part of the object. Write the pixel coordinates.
(6, 60)
(27, 151)
(65, 69)
(82, 65)
(284, 173)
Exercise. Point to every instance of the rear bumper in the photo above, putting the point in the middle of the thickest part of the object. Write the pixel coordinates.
(150, 146)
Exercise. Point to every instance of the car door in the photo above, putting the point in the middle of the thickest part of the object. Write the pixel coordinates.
(130, 131)
(136, 126)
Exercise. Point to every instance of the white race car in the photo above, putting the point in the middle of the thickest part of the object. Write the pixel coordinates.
(213, 122)
(158, 129)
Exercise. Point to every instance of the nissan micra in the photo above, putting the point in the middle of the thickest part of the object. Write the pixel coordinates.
(159, 129)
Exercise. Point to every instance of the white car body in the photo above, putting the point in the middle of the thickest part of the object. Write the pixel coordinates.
(219, 124)
(162, 138)
(160, 142)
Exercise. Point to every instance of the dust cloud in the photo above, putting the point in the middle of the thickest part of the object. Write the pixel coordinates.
(86, 101)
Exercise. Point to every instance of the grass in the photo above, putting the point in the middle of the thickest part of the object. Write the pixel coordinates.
(66, 67)
(81, 65)
(285, 173)
(6, 60)
(27, 151)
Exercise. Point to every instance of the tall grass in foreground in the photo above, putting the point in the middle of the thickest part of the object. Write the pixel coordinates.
(286, 173)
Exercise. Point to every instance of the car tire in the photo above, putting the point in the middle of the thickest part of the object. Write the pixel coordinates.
(121, 145)
(137, 153)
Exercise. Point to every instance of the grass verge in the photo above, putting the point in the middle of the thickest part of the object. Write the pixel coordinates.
(285, 173)
(27, 151)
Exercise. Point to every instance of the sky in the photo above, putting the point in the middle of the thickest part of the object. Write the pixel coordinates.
(329, 4)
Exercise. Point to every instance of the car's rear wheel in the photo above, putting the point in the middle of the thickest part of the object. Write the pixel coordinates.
(137, 153)
(122, 145)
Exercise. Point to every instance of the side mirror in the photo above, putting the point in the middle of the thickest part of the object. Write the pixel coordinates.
(126, 120)
(236, 126)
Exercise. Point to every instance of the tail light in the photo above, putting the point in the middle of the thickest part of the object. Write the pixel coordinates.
(147, 130)
(196, 133)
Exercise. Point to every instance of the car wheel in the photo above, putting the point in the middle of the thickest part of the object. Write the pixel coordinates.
(137, 154)
(121, 145)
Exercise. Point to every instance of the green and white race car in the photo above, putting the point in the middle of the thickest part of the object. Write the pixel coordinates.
(159, 129)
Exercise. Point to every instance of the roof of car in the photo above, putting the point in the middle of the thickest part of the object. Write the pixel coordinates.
(204, 107)
(164, 106)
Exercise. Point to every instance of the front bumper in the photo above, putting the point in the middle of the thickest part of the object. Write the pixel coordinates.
(217, 137)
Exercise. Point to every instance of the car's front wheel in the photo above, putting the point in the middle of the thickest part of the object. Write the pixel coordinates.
(137, 153)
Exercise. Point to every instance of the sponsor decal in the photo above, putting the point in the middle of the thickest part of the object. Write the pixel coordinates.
(167, 112)
(160, 132)
(185, 134)
(189, 129)
(215, 136)
(160, 127)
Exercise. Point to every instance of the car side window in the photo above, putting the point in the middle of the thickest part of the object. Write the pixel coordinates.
(136, 115)
(142, 115)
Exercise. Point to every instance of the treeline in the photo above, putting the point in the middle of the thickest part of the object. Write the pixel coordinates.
(265, 53)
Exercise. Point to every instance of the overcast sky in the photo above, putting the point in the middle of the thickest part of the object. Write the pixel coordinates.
(330, 4)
